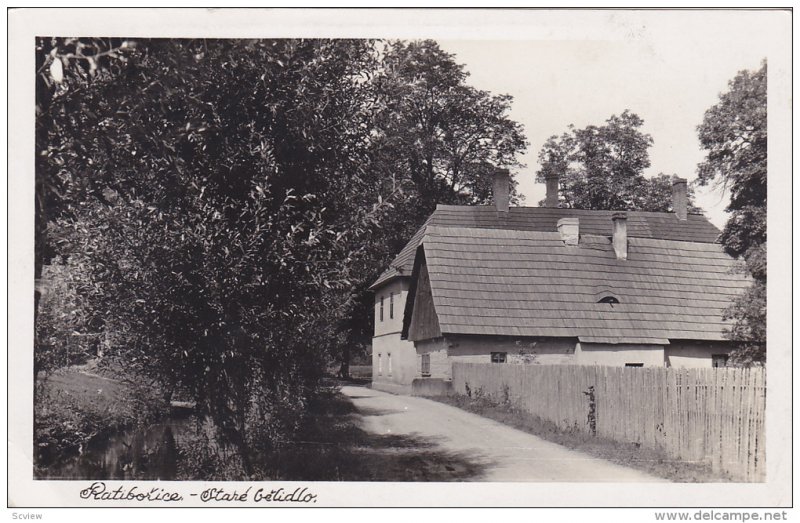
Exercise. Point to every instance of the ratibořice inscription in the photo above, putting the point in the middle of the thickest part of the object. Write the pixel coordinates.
(101, 492)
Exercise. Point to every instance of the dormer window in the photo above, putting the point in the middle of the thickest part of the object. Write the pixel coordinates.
(605, 293)
(381, 311)
(391, 305)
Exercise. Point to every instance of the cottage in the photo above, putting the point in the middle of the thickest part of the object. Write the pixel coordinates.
(547, 285)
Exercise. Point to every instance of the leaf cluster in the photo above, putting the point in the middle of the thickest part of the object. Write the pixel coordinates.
(602, 167)
(734, 136)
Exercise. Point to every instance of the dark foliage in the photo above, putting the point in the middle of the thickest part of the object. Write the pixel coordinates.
(221, 205)
(734, 135)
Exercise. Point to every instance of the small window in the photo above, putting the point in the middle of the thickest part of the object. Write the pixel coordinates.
(381, 313)
(499, 357)
(611, 300)
(634, 364)
(380, 365)
(426, 365)
(391, 305)
(719, 360)
(389, 358)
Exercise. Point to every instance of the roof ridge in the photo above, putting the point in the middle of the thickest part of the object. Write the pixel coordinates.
(485, 231)
(448, 206)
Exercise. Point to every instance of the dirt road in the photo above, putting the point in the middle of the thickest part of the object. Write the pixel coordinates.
(494, 451)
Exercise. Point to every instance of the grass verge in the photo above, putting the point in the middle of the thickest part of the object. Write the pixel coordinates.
(73, 409)
(630, 455)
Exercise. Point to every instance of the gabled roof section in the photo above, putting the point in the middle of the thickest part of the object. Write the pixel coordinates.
(420, 320)
(418, 261)
(655, 225)
(528, 283)
(403, 263)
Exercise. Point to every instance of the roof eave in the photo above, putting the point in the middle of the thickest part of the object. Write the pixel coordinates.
(381, 282)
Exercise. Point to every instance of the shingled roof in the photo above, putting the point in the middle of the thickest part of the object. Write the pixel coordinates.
(655, 225)
(529, 283)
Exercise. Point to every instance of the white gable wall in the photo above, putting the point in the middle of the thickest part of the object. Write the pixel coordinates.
(386, 343)
(399, 289)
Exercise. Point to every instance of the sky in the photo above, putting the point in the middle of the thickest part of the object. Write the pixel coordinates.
(667, 69)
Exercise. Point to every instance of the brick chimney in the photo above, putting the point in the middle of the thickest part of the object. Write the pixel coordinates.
(569, 228)
(680, 199)
(551, 186)
(620, 235)
(500, 187)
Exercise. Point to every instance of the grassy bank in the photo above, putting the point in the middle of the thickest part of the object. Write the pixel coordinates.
(74, 409)
(647, 460)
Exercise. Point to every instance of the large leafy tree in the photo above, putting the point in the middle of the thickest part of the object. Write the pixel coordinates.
(229, 205)
(734, 135)
(602, 167)
(438, 140)
(438, 132)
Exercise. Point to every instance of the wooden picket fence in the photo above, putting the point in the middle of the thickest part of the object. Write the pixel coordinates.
(713, 415)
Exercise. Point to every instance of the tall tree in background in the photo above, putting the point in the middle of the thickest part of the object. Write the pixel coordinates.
(437, 139)
(602, 167)
(438, 132)
(435, 136)
(734, 135)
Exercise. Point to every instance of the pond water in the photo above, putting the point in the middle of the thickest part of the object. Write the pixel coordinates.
(148, 453)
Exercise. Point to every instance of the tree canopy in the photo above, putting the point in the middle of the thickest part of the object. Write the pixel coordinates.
(734, 135)
(602, 167)
(435, 139)
(436, 131)
(223, 203)
(233, 200)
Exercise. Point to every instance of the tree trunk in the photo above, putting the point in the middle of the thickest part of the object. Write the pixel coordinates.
(242, 447)
(344, 368)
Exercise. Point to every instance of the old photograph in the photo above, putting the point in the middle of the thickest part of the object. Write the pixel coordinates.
(411, 258)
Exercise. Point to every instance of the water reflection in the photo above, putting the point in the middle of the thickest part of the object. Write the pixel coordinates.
(143, 454)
